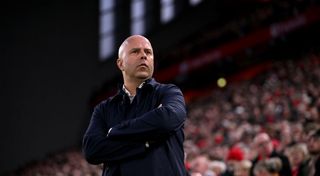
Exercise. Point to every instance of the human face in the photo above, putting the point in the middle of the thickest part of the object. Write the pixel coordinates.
(264, 145)
(264, 148)
(314, 145)
(241, 170)
(136, 58)
(296, 157)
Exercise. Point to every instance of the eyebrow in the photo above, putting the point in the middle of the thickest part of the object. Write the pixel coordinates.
(145, 49)
(134, 49)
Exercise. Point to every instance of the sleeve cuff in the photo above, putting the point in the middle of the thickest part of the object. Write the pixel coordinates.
(147, 144)
(109, 131)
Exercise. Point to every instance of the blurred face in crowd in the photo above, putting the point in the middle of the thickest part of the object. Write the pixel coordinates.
(263, 145)
(297, 154)
(242, 168)
(200, 164)
(314, 145)
(296, 158)
(136, 58)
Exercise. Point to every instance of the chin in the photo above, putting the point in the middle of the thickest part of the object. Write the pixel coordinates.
(143, 76)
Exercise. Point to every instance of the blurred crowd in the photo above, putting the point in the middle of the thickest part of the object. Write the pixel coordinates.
(65, 163)
(265, 126)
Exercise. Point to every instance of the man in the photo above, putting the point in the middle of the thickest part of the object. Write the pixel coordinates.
(265, 150)
(313, 144)
(139, 131)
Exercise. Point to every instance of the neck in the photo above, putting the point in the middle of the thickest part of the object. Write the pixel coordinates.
(131, 86)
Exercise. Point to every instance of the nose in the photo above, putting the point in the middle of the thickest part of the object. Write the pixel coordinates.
(143, 55)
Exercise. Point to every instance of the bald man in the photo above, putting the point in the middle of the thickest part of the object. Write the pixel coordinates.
(265, 149)
(138, 131)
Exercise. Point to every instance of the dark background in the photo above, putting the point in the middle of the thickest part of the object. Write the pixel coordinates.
(49, 68)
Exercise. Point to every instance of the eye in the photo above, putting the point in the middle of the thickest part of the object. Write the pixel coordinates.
(134, 51)
(148, 52)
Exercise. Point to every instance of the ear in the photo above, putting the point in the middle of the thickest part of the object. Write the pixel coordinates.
(120, 64)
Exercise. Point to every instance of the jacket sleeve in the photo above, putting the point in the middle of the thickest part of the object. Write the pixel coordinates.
(162, 121)
(97, 148)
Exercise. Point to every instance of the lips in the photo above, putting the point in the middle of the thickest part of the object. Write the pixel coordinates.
(143, 65)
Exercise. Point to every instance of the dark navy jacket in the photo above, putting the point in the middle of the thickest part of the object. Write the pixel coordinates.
(146, 137)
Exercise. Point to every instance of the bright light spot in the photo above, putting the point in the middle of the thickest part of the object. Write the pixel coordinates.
(222, 82)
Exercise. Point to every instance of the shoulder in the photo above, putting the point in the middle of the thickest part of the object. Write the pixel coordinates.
(168, 89)
(171, 87)
(107, 102)
(163, 87)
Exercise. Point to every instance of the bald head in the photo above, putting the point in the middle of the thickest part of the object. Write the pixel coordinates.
(263, 144)
(260, 138)
(127, 41)
(135, 60)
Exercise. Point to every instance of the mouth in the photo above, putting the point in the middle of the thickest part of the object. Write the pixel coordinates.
(143, 65)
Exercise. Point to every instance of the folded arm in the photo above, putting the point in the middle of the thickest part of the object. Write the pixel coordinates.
(158, 123)
(97, 148)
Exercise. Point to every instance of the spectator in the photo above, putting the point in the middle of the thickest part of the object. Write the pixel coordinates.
(243, 168)
(235, 156)
(298, 156)
(265, 150)
(200, 165)
(268, 167)
(218, 167)
(314, 149)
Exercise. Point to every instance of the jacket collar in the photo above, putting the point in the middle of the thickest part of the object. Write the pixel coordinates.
(148, 84)
(151, 83)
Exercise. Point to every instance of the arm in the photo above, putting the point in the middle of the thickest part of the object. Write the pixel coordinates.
(97, 148)
(157, 123)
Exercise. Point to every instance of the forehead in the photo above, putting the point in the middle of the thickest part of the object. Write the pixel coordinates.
(138, 42)
(261, 138)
